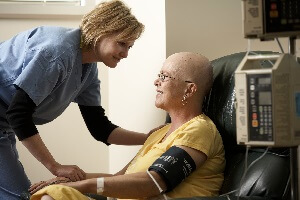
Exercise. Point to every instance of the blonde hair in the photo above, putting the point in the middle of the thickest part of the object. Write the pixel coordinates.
(107, 18)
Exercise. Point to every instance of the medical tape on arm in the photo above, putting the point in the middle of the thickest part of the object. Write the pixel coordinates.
(100, 185)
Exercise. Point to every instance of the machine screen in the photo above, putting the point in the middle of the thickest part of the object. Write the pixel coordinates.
(265, 98)
(264, 81)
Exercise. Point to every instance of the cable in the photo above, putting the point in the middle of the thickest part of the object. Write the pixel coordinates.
(225, 194)
(282, 154)
(252, 52)
(287, 185)
(261, 54)
(157, 185)
(279, 44)
(247, 168)
(248, 47)
(245, 172)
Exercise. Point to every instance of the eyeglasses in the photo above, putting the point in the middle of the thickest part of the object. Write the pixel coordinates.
(163, 78)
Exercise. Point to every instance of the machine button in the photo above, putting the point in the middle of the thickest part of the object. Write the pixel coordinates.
(254, 115)
(254, 109)
(261, 131)
(254, 123)
(273, 14)
(273, 6)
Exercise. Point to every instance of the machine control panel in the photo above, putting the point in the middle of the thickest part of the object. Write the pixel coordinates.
(282, 15)
(268, 19)
(260, 107)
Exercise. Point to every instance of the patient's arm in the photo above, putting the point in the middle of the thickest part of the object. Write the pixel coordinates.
(57, 180)
(134, 185)
(98, 175)
(198, 156)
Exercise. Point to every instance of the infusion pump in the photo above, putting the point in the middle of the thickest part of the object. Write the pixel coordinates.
(267, 19)
(268, 100)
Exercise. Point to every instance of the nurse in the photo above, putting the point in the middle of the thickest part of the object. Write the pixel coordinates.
(43, 70)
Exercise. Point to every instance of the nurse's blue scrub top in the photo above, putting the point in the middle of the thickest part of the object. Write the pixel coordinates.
(46, 62)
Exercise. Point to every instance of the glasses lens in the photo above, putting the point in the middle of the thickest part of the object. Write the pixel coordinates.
(161, 77)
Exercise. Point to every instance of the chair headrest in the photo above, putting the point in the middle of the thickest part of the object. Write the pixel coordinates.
(219, 104)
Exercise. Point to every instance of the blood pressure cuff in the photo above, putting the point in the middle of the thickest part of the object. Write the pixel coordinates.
(173, 166)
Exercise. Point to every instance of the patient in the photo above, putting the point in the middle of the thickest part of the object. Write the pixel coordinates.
(182, 159)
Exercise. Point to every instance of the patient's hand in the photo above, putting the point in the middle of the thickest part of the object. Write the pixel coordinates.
(37, 186)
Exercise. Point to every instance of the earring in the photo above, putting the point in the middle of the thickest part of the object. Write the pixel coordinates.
(184, 100)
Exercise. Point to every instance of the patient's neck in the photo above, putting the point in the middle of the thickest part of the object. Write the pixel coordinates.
(178, 118)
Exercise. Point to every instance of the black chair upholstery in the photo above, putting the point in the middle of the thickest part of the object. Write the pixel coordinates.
(269, 177)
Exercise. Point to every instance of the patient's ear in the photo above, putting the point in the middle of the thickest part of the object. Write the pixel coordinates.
(191, 89)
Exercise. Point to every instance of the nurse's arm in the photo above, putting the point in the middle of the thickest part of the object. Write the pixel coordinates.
(122, 136)
(102, 129)
(125, 137)
(19, 116)
(38, 149)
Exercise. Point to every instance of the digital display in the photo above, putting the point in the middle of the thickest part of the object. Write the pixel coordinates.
(265, 98)
(263, 81)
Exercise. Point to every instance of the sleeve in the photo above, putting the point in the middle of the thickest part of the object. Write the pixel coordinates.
(19, 115)
(90, 95)
(40, 75)
(199, 136)
(97, 123)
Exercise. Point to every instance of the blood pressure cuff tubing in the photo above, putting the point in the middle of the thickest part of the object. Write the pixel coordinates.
(173, 166)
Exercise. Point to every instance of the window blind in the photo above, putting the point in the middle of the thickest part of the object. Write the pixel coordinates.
(45, 8)
(64, 2)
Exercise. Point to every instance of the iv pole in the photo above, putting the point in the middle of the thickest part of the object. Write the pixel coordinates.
(293, 150)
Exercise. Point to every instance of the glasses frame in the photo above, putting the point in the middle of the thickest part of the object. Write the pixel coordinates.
(162, 78)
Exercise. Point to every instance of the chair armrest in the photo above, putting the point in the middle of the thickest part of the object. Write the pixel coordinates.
(225, 198)
(96, 196)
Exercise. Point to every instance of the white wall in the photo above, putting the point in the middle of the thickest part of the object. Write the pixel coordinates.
(210, 27)
(131, 89)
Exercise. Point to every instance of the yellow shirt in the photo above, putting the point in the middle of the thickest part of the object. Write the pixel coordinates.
(199, 133)
(60, 192)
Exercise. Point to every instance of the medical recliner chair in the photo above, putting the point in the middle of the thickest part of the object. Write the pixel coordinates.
(268, 177)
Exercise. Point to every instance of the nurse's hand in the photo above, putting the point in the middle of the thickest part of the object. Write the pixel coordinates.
(72, 172)
(155, 129)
